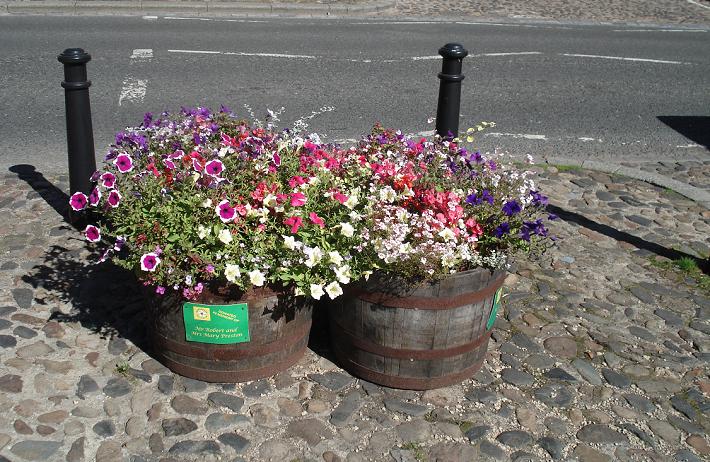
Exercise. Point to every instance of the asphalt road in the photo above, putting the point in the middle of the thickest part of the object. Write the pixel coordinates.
(611, 93)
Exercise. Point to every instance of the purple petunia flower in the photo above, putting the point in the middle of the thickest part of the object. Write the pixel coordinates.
(196, 165)
(538, 199)
(149, 262)
(533, 227)
(124, 163)
(511, 208)
(225, 211)
(92, 233)
(502, 230)
(214, 168)
(94, 197)
(209, 269)
(114, 198)
(169, 164)
(474, 199)
(78, 201)
(147, 119)
(160, 290)
(108, 180)
(277, 159)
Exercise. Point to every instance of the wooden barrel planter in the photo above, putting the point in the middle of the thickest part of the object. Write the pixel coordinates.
(417, 338)
(278, 329)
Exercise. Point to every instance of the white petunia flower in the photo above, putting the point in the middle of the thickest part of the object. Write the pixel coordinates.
(313, 254)
(290, 242)
(269, 200)
(447, 234)
(225, 236)
(317, 291)
(335, 257)
(231, 272)
(352, 200)
(257, 278)
(333, 290)
(207, 203)
(343, 274)
(203, 231)
(347, 230)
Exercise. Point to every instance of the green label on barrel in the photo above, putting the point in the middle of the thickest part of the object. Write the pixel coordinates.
(494, 310)
(221, 324)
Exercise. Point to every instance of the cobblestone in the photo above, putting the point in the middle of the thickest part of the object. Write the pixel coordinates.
(576, 365)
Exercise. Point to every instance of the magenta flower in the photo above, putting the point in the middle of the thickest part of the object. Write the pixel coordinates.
(114, 197)
(225, 211)
(108, 180)
(78, 201)
(92, 233)
(277, 159)
(298, 199)
(124, 163)
(214, 168)
(196, 165)
(149, 262)
(160, 290)
(169, 164)
(94, 197)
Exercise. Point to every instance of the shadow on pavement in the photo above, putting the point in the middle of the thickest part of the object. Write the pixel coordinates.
(104, 298)
(623, 236)
(695, 128)
(55, 197)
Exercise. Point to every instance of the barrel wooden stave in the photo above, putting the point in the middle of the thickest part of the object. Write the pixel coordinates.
(278, 330)
(383, 335)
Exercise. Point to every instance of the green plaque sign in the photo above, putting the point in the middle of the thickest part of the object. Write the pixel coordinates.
(222, 324)
(494, 310)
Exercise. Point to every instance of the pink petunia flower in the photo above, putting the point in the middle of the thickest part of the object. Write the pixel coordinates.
(149, 262)
(316, 220)
(225, 211)
(114, 198)
(78, 201)
(296, 181)
(108, 180)
(294, 223)
(92, 233)
(214, 168)
(340, 197)
(298, 199)
(124, 163)
(94, 197)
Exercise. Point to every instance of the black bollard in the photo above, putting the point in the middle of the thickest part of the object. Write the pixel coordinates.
(447, 110)
(80, 133)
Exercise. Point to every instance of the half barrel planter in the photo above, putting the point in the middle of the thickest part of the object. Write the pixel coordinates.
(418, 338)
(279, 326)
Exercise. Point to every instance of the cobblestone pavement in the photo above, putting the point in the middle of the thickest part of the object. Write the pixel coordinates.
(694, 173)
(599, 354)
(655, 11)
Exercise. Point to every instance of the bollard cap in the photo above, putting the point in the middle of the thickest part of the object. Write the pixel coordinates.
(74, 56)
(453, 51)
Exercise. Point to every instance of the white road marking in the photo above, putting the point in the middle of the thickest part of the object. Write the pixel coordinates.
(393, 22)
(517, 135)
(177, 18)
(150, 18)
(621, 58)
(585, 139)
(270, 55)
(659, 30)
(133, 89)
(514, 53)
(142, 53)
(203, 52)
(241, 53)
(691, 145)
(699, 4)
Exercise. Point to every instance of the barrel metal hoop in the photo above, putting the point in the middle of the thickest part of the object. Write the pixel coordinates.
(228, 353)
(411, 383)
(403, 353)
(429, 303)
(210, 375)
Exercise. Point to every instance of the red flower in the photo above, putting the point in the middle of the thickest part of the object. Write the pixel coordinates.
(316, 220)
(294, 223)
(298, 199)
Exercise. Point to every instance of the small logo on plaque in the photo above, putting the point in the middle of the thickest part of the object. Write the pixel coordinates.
(201, 313)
